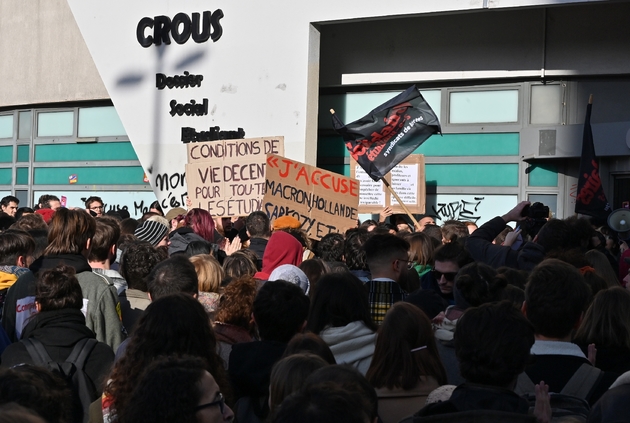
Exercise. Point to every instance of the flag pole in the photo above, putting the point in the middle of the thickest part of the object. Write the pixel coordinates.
(389, 187)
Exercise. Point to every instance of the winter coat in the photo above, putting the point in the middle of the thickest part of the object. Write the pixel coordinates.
(100, 300)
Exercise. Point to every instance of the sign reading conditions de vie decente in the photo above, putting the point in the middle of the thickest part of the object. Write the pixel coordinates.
(227, 177)
(321, 200)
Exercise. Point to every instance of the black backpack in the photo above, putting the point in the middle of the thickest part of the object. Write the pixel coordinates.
(72, 370)
(572, 399)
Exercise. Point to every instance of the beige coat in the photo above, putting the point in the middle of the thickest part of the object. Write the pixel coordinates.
(396, 404)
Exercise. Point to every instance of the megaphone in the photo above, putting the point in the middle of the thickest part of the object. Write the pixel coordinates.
(619, 221)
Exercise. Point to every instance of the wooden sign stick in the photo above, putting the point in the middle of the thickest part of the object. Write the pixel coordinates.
(415, 222)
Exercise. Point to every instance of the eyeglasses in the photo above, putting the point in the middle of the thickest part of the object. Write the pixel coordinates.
(409, 263)
(220, 402)
(96, 208)
(449, 276)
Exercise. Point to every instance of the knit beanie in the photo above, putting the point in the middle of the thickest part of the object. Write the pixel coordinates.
(151, 231)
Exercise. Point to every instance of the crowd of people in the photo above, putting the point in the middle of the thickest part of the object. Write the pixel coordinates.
(185, 317)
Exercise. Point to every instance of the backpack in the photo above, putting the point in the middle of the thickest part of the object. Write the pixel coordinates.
(572, 399)
(72, 370)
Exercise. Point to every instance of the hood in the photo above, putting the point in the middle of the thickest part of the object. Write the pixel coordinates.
(58, 328)
(350, 343)
(282, 248)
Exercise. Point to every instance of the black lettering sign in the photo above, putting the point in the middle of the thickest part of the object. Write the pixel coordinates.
(180, 28)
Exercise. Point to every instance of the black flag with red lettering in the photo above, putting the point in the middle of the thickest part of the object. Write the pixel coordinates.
(384, 137)
(590, 199)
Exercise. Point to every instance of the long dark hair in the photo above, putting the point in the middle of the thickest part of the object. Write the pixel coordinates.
(339, 299)
(172, 325)
(394, 364)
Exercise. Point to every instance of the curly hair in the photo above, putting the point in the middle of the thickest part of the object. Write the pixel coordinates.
(58, 288)
(201, 222)
(237, 303)
(168, 391)
(137, 262)
(353, 251)
(37, 389)
(173, 325)
(478, 283)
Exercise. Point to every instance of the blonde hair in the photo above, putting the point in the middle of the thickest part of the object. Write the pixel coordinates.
(209, 272)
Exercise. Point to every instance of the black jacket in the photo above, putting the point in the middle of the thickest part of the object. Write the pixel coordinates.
(59, 331)
(470, 397)
(481, 248)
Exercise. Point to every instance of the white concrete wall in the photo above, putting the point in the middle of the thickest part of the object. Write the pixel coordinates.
(43, 56)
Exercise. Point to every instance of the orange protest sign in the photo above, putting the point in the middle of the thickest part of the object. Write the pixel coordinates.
(321, 200)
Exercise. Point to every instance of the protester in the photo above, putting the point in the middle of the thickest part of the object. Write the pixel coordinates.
(176, 390)
(340, 315)
(607, 325)
(280, 311)
(172, 325)
(406, 365)
(282, 248)
(492, 344)
(388, 259)
(137, 263)
(69, 243)
(209, 275)
(289, 374)
(233, 320)
(59, 326)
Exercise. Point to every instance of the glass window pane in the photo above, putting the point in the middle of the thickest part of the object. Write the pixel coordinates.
(22, 153)
(549, 200)
(358, 105)
(22, 195)
(55, 124)
(6, 126)
(484, 106)
(25, 122)
(100, 122)
(21, 176)
(543, 175)
(546, 104)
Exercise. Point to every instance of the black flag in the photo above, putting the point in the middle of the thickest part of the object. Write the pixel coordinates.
(591, 199)
(384, 137)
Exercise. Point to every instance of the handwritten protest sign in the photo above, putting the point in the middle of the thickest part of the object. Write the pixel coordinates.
(407, 179)
(227, 177)
(322, 201)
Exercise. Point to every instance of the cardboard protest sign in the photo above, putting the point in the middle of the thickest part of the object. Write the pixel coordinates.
(227, 177)
(321, 200)
(407, 179)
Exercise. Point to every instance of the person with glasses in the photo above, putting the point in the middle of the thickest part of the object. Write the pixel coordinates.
(388, 259)
(94, 206)
(449, 258)
(177, 390)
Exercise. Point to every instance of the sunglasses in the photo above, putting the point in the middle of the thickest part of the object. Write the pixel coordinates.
(449, 276)
(409, 264)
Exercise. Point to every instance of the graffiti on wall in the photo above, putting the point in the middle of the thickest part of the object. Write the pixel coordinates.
(465, 211)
